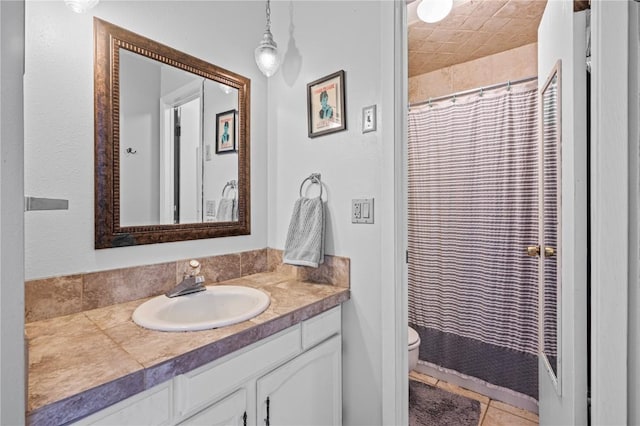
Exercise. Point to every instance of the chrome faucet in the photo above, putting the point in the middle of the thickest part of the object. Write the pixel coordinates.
(192, 282)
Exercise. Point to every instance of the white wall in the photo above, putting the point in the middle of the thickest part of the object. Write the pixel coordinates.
(12, 357)
(318, 38)
(633, 386)
(610, 201)
(59, 122)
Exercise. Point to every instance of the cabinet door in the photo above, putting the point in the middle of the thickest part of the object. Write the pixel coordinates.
(305, 391)
(230, 411)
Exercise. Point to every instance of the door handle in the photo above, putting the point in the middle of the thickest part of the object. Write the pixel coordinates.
(534, 251)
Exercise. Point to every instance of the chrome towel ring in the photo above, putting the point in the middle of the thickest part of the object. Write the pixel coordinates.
(231, 184)
(314, 178)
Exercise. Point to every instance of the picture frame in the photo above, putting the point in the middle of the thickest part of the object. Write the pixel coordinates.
(226, 132)
(326, 107)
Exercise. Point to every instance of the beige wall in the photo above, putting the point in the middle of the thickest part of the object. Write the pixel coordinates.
(513, 64)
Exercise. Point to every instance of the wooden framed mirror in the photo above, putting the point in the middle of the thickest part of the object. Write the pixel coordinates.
(172, 143)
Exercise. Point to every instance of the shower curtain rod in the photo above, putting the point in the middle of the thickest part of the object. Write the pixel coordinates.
(468, 92)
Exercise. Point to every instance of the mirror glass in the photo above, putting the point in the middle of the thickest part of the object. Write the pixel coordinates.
(170, 172)
(171, 143)
(551, 139)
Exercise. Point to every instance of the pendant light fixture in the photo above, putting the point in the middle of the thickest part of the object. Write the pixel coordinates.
(267, 51)
(431, 11)
(81, 6)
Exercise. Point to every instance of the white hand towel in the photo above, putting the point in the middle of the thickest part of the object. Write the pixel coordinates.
(305, 238)
(225, 210)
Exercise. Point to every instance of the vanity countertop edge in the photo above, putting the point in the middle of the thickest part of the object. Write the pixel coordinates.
(85, 362)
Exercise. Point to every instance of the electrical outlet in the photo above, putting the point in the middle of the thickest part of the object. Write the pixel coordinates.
(211, 208)
(356, 210)
(362, 210)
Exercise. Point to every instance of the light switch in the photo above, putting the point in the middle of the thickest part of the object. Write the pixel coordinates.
(362, 210)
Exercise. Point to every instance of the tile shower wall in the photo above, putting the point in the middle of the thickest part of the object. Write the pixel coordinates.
(513, 64)
(64, 295)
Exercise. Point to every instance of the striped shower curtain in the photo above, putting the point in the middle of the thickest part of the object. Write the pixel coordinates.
(473, 210)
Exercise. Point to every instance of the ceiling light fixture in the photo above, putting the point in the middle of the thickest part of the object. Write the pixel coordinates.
(431, 11)
(267, 51)
(225, 89)
(81, 6)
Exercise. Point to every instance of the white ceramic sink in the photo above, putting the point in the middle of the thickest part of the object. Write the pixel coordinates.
(217, 306)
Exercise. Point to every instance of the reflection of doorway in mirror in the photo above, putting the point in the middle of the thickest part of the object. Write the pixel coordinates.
(180, 153)
(188, 202)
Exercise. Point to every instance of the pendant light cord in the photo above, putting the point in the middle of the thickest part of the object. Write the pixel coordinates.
(268, 15)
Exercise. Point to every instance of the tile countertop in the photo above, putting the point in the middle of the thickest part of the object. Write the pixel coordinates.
(82, 363)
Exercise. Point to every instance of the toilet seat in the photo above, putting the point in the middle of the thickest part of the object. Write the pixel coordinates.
(413, 338)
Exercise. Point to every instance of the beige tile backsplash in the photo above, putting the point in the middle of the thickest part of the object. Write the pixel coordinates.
(53, 297)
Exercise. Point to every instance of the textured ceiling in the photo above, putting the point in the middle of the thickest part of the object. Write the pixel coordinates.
(473, 29)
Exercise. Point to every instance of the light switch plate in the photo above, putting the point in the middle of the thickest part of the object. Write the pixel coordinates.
(362, 210)
(369, 119)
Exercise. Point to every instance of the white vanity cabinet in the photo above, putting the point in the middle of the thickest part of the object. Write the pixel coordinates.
(299, 369)
(151, 407)
(306, 390)
(231, 410)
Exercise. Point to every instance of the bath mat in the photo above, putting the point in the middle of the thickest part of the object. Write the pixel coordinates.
(432, 406)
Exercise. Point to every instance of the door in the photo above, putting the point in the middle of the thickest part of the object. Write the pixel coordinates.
(305, 391)
(230, 411)
(563, 362)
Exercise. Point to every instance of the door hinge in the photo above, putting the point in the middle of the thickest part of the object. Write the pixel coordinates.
(406, 256)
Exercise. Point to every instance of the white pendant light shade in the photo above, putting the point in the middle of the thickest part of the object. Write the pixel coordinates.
(80, 6)
(267, 55)
(267, 51)
(431, 11)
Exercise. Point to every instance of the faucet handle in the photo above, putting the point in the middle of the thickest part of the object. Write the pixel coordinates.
(193, 269)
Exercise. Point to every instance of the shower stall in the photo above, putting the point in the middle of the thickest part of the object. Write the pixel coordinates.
(472, 210)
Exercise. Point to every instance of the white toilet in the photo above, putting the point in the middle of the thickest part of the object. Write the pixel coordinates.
(414, 348)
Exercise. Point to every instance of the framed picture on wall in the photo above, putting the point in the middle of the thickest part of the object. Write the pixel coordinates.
(226, 132)
(326, 105)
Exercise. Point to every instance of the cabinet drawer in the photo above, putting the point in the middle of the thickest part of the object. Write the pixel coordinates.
(231, 410)
(197, 388)
(151, 407)
(321, 327)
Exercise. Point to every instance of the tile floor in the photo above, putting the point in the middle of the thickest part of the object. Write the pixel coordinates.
(492, 413)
